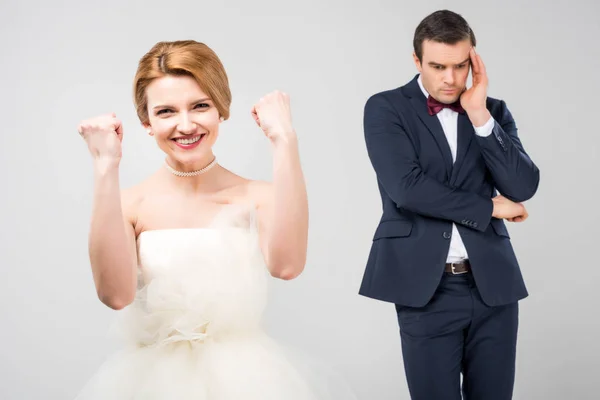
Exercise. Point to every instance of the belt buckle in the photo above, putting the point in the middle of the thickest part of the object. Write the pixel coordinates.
(454, 271)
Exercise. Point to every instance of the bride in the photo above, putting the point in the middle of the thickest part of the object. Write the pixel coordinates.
(187, 253)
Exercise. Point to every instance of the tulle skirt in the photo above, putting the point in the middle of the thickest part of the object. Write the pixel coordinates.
(249, 367)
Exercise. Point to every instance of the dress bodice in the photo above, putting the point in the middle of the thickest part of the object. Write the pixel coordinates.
(196, 283)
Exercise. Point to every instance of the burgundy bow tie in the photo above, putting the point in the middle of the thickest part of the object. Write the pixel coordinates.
(434, 106)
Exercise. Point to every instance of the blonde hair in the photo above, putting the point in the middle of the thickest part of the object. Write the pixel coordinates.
(182, 58)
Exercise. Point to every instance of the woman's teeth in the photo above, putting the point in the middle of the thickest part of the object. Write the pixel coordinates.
(188, 141)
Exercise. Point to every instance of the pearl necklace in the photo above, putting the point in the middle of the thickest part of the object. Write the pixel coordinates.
(191, 173)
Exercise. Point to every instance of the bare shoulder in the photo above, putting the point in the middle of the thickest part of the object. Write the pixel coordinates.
(237, 188)
(260, 192)
(131, 198)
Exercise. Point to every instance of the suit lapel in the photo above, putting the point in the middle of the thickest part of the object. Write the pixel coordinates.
(465, 134)
(419, 103)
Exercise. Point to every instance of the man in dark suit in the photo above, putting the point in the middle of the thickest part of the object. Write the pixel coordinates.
(450, 169)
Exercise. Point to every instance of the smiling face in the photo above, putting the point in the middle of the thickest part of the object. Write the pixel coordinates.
(183, 120)
(181, 94)
(444, 69)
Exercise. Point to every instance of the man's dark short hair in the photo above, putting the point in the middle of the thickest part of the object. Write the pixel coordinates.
(442, 26)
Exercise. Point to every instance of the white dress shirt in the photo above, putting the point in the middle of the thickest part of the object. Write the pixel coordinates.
(449, 121)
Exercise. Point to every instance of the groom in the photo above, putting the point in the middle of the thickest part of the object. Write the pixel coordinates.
(450, 169)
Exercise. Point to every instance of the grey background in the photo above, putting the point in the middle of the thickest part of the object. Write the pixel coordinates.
(64, 61)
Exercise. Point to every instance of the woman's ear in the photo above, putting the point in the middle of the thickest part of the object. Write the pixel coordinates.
(148, 128)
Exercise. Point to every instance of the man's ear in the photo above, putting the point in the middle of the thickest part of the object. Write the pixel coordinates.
(417, 62)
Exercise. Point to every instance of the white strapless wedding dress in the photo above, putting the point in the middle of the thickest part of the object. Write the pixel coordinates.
(194, 330)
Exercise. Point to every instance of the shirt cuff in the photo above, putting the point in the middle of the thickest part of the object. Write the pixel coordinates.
(486, 129)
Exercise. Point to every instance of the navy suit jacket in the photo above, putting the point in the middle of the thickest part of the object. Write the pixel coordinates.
(423, 193)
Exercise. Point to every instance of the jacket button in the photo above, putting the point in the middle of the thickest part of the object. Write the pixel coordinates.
(447, 235)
